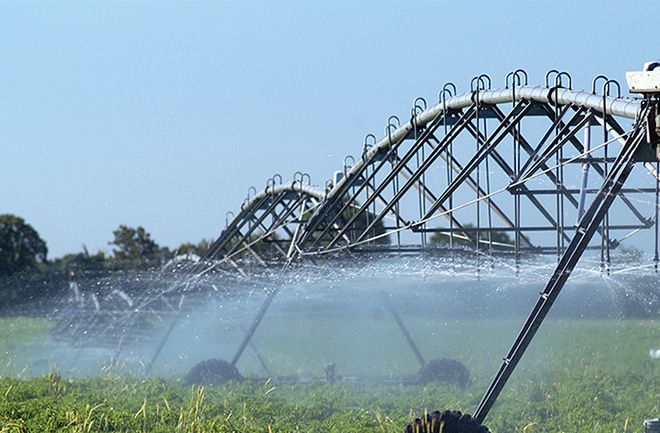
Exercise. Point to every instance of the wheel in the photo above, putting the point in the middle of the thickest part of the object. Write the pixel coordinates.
(212, 372)
(446, 422)
(443, 370)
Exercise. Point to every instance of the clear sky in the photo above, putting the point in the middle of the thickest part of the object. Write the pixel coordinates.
(163, 114)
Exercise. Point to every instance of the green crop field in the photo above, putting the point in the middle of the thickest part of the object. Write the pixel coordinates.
(578, 376)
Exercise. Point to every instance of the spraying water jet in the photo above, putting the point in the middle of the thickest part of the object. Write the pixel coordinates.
(358, 215)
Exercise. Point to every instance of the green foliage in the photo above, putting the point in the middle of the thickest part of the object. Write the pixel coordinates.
(364, 220)
(257, 242)
(592, 376)
(24, 276)
(197, 249)
(29, 292)
(629, 255)
(21, 248)
(84, 263)
(136, 249)
(562, 402)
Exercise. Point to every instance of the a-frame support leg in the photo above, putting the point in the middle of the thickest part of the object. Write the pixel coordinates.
(583, 234)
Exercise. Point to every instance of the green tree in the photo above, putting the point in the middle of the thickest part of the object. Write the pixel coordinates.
(21, 248)
(199, 249)
(359, 225)
(83, 262)
(629, 255)
(136, 248)
(257, 243)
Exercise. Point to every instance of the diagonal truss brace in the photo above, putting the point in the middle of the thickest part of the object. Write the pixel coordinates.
(461, 123)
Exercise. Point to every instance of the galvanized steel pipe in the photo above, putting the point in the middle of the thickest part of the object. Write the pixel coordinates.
(614, 106)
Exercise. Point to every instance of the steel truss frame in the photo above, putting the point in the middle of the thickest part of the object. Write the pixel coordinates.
(526, 173)
(470, 168)
(435, 135)
(267, 226)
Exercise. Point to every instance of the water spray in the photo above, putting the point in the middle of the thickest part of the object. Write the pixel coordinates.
(642, 143)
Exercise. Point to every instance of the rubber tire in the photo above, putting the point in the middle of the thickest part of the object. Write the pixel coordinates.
(212, 372)
(450, 421)
(444, 370)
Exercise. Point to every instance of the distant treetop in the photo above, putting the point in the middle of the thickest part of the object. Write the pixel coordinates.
(21, 247)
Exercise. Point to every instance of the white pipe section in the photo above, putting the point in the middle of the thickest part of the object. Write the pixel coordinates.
(314, 191)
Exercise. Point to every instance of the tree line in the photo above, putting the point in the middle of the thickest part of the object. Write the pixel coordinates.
(27, 275)
(22, 250)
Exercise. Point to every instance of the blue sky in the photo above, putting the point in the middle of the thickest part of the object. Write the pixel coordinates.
(163, 114)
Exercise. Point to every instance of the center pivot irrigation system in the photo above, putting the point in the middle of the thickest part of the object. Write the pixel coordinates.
(515, 170)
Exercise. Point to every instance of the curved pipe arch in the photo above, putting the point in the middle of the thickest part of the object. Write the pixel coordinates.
(449, 102)
(621, 107)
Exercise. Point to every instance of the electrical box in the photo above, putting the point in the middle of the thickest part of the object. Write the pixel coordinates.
(646, 81)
